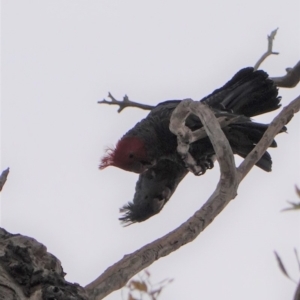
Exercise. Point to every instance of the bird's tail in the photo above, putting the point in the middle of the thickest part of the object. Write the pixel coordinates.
(244, 136)
(249, 93)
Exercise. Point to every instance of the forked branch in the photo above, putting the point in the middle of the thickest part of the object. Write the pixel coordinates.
(124, 103)
(290, 80)
(269, 51)
(118, 274)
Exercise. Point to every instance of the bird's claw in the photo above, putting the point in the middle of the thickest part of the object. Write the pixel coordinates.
(199, 168)
(205, 163)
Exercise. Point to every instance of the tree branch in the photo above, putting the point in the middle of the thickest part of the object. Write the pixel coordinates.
(269, 51)
(291, 79)
(3, 178)
(279, 121)
(117, 275)
(124, 103)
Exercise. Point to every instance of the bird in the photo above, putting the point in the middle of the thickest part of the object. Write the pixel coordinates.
(150, 148)
(153, 189)
(249, 93)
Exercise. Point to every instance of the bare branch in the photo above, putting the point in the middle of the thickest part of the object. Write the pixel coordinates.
(280, 120)
(118, 274)
(269, 51)
(3, 178)
(291, 79)
(124, 103)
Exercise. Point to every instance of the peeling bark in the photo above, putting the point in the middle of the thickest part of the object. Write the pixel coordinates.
(28, 271)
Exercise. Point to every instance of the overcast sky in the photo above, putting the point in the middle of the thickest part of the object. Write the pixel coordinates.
(60, 57)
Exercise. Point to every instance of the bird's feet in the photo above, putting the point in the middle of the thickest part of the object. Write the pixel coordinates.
(205, 163)
(200, 166)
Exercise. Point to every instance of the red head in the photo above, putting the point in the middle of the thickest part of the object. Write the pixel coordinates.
(129, 155)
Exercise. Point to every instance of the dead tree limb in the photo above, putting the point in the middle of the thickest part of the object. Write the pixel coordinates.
(118, 274)
(28, 271)
(290, 79)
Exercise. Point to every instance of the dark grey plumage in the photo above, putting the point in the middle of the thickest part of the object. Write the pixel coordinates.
(152, 191)
(150, 148)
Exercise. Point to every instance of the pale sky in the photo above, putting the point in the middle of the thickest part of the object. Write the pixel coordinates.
(60, 57)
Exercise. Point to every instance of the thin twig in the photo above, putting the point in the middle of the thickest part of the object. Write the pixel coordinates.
(124, 103)
(269, 50)
(3, 178)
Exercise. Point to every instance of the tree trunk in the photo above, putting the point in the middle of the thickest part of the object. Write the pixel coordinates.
(28, 271)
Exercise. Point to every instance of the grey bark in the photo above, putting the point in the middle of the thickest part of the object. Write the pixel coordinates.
(29, 272)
